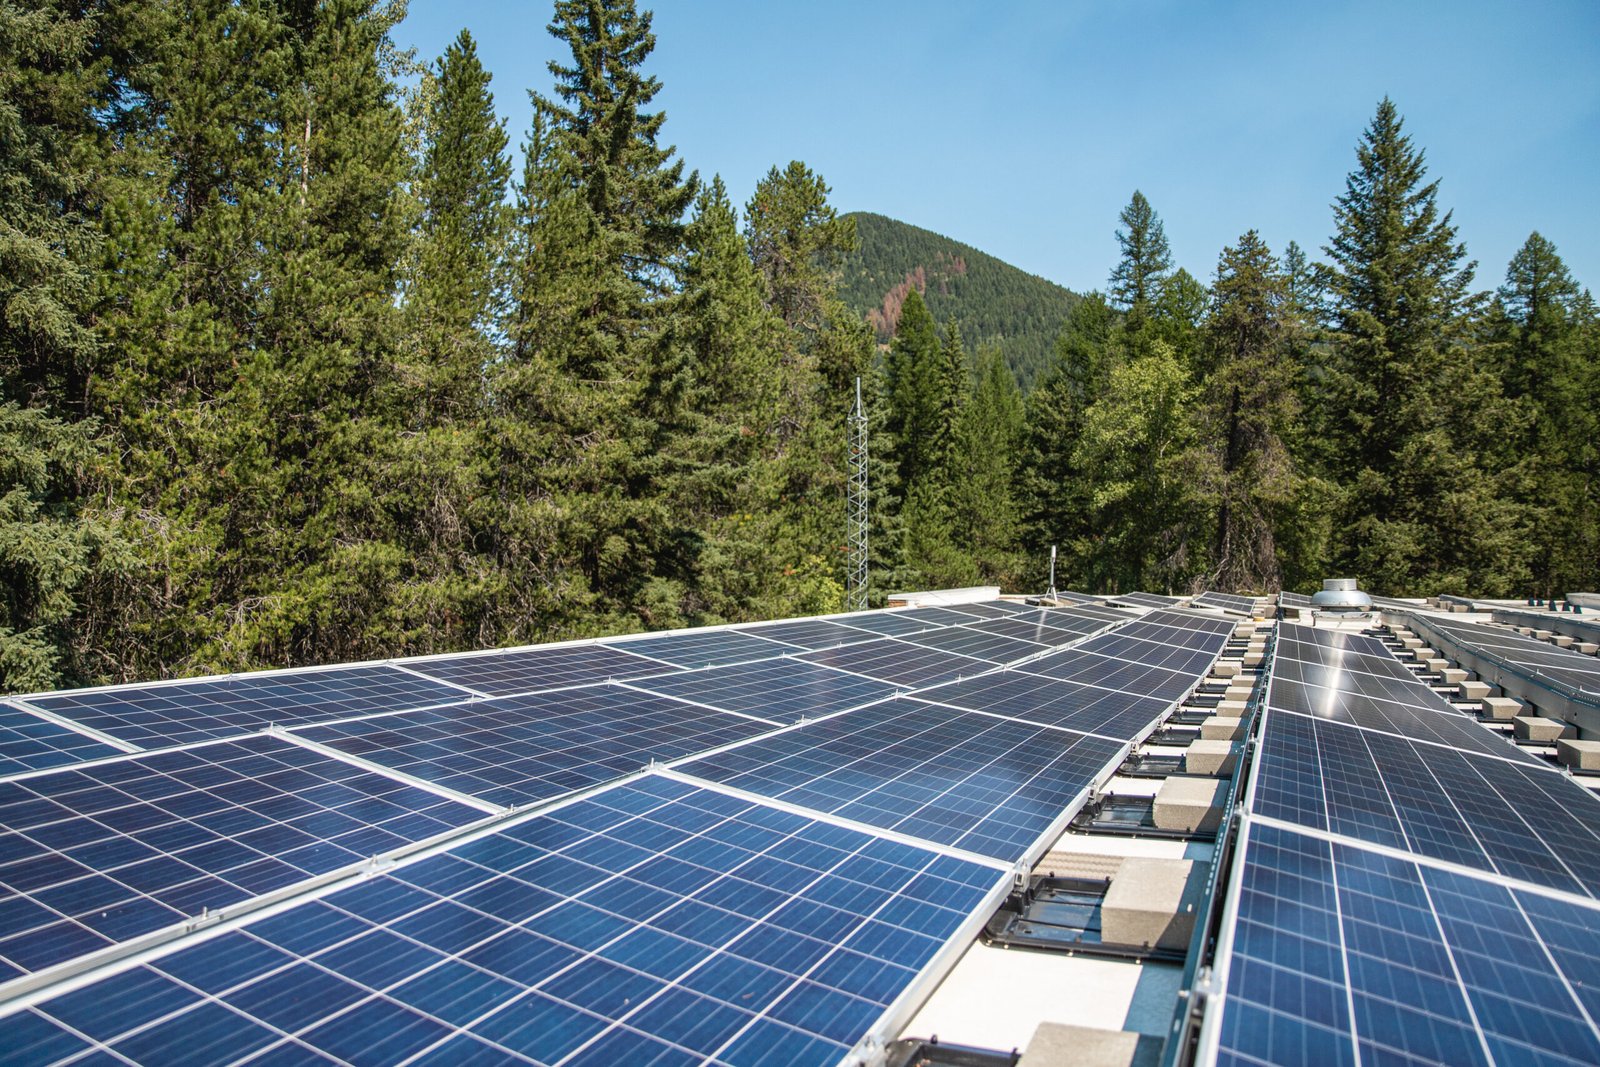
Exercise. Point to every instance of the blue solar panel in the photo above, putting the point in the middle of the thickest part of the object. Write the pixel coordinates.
(809, 633)
(1192, 661)
(513, 750)
(159, 715)
(989, 609)
(509, 673)
(890, 623)
(30, 742)
(1086, 668)
(780, 691)
(989, 785)
(650, 923)
(1243, 605)
(903, 664)
(103, 853)
(1338, 949)
(1035, 631)
(1145, 600)
(1033, 698)
(966, 641)
(1491, 814)
(705, 648)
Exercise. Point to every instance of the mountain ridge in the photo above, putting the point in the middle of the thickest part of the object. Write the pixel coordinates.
(995, 301)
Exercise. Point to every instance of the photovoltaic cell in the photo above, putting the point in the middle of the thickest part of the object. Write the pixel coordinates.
(1526, 655)
(889, 623)
(705, 648)
(529, 670)
(1244, 605)
(31, 743)
(1032, 698)
(1145, 600)
(1028, 630)
(935, 616)
(780, 691)
(514, 750)
(650, 923)
(810, 633)
(898, 662)
(159, 715)
(988, 785)
(1120, 645)
(1438, 967)
(992, 609)
(967, 641)
(1087, 668)
(99, 854)
(1294, 600)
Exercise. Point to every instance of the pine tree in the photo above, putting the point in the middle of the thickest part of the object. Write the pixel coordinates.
(1420, 510)
(914, 380)
(1250, 411)
(1538, 330)
(984, 513)
(1138, 280)
(50, 546)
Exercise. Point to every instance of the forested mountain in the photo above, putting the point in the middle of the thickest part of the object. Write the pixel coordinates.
(994, 302)
(296, 366)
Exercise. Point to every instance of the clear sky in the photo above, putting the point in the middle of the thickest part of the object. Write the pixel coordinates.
(1023, 128)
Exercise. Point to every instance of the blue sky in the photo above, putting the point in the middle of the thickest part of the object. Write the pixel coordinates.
(1023, 128)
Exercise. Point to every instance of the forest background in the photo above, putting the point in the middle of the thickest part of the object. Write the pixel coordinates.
(295, 369)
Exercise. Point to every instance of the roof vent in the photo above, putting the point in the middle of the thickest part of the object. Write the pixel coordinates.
(1341, 594)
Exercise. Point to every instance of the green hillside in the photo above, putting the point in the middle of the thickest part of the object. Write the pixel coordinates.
(993, 300)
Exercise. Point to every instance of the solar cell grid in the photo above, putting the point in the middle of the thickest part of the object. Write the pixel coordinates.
(1437, 966)
(704, 648)
(1032, 698)
(514, 750)
(780, 691)
(1521, 821)
(653, 921)
(966, 641)
(100, 854)
(1193, 661)
(183, 712)
(1244, 605)
(1527, 655)
(809, 633)
(1146, 600)
(935, 616)
(889, 623)
(1294, 600)
(30, 743)
(988, 785)
(1026, 630)
(508, 673)
(988, 610)
(899, 662)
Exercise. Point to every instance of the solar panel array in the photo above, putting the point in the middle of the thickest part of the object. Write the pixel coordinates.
(1294, 600)
(1145, 600)
(1407, 887)
(335, 863)
(1525, 655)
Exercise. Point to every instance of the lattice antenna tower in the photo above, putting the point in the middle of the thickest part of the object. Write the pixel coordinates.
(856, 506)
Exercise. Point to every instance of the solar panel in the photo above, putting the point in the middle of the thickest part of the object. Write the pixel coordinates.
(31, 742)
(780, 691)
(1244, 605)
(967, 641)
(992, 609)
(529, 670)
(1031, 698)
(1087, 668)
(1187, 620)
(519, 749)
(156, 716)
(1028, 630)
(1195, 661)
(1070, 597)
(809, 633)
(1339, 951)
(103, 853)
(1294, 600)
(984, 784)
(889, 623)
(951, 616)
(704, 648)
(1145, 600)
(903, 664)
(650, 923)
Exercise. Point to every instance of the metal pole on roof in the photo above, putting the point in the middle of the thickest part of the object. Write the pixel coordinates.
(1052, 595)
(856, 506)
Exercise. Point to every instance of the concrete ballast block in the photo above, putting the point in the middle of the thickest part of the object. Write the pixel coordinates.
(1478, 690)
(1231, 709)
(1222, 728)
(1453, 675)
(1189, 804)
(1225, 669)
(1214, 758)
(1562, 640)
(1535, 728)
(1502, 709)
(1152, 903)
(1582, 755)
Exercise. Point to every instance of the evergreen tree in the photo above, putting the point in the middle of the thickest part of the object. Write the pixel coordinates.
(914, 379)
(1250, 411)
(49, 547)
(1420, 510)
(984, 514)
(1142, 469)
(1138, 280)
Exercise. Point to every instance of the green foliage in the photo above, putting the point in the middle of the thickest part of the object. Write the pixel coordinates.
(995, 302)
(1138, 281)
